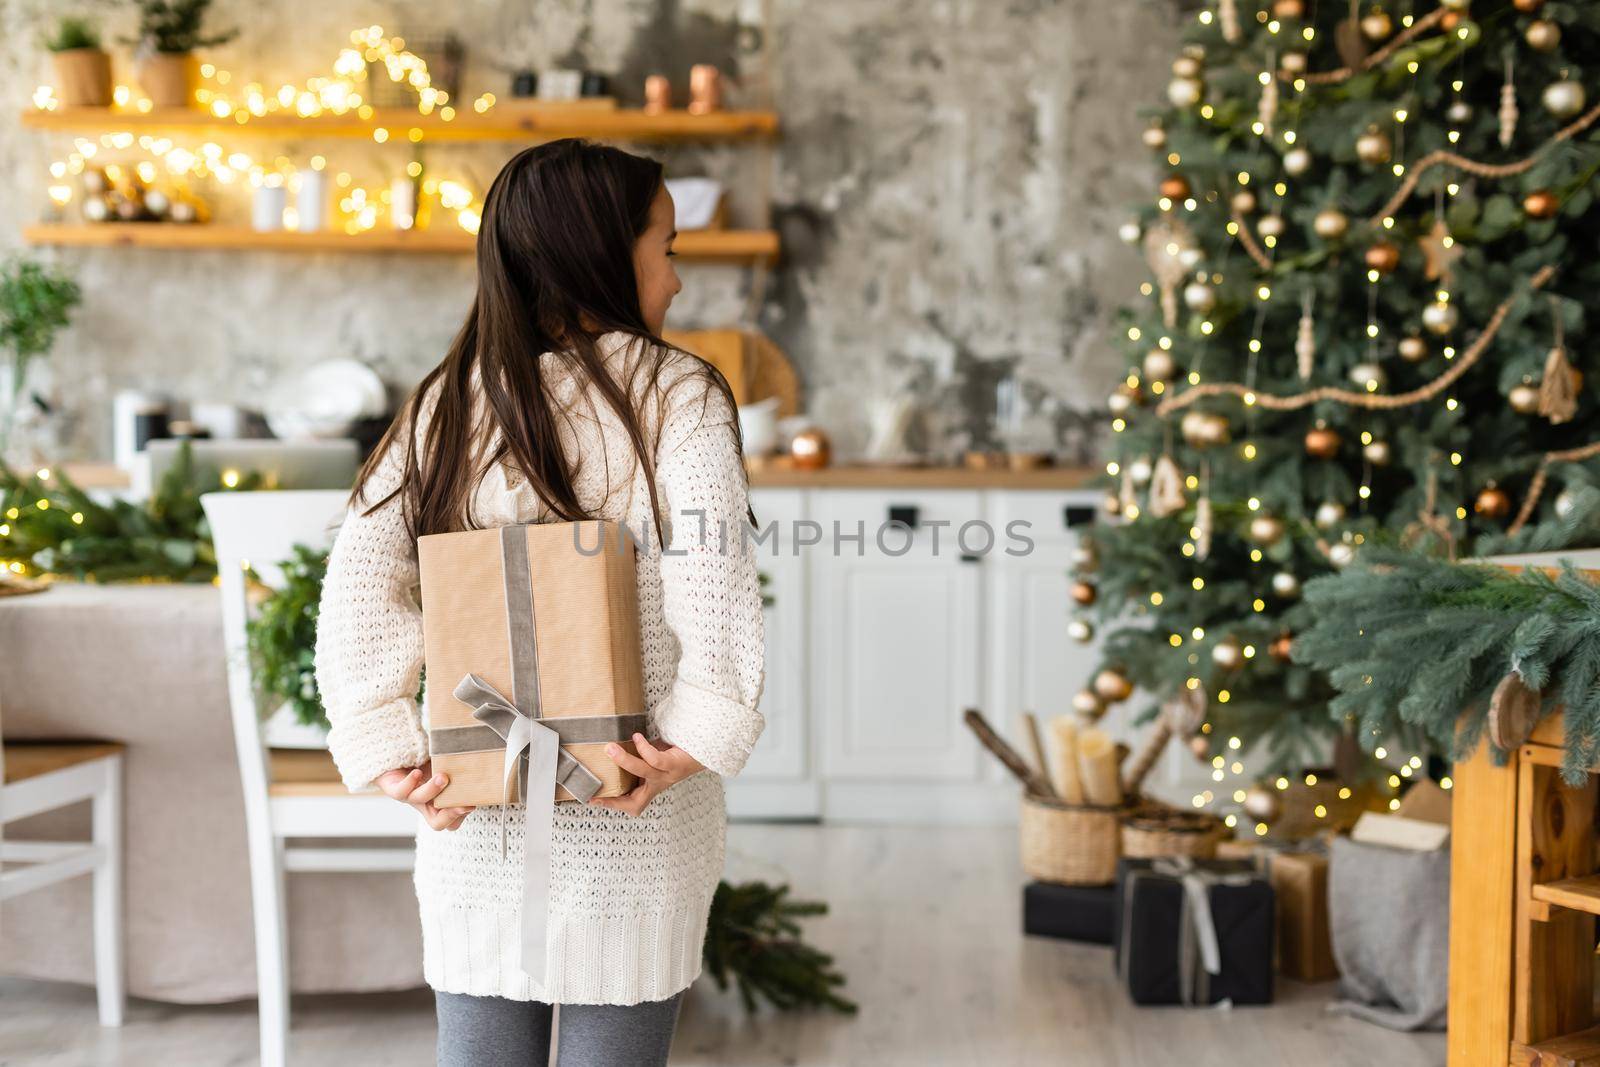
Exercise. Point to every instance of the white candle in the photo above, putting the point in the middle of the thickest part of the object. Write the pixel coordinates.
(267, 209)
(312, 201)
(403, 203)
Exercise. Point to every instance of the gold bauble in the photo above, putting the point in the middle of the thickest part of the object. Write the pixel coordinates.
(1293, 62)
(809, 449)
(1286, 584)
(1244, 201)
(1564, 98)
(1542, 35)
(1523, 398)
(1440, 317)
(1330, 223)
(1266, 530)
(1382, 257)
(1085, 703)
(1154, 137)
(1227, 654)
(1378, 453)
(1374, 147)
(1541, 204)
(1377, 24)
(1159, 366)
(1282, 648)
(1200, 745)
(1186, 67)
(1492, 502)
(1204, 429)
(1185, 92)
(1111, 685)
(1270, 225)
(1081, 631)
(1413, 349)
(1296, 162)
(1329, 514)
(1261, 803)
(1084, 592)
(1322, 442)
(1199, 297)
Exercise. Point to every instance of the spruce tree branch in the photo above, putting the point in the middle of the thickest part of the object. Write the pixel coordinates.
(1400, 40)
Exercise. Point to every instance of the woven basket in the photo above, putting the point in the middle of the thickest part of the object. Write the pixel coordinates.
(1154, 831)
(1069, 845)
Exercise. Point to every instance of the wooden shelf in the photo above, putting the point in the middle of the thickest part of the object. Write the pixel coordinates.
(504, 122)
(1576, 894)
(704, 245)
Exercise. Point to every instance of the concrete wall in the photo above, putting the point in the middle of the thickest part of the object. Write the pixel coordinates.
(948, 187)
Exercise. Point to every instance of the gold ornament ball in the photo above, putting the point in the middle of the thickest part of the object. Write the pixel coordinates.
(1111, 685)
(1081, 631)
(1369, 376)
(1266, 530)
(1293, 62)
(1329, 514)
(1440, 317)
(1200, 746)
(809, 450)
(1342, 554)
(1159, 366)
(1199, 297)
(1282, 648)
(1492, 502)
(1119, 403)
(1175, 187)
(1186, 67)
(1084, 593)
(1378, 453)
(1563, 99)
(1140, 471)
(1243, 202)
(1130, 232)
(1565, 504)
(1085, 703)
(1111, 506)
(1330, 224)
(1203, 429)
(1286, 585)
(1373, 147)
(1085, 557)
(1541, 204)
(1270, 226)
(1227, 654)
(1382, 257)
(1322, 442)
(1542, 35)
(1459, 111)
(1185, 92)
(1524, 399)
(1377, 24)
(1296, 162)
(1288, 9)
(1154, 137)
(1413, 349)
(1261, 803)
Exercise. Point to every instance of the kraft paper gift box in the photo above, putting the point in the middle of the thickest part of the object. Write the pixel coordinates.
(1300, 883)
(538, 621)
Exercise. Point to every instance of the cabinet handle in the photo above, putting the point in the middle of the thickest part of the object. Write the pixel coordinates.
(904, 514)
(1076, 515)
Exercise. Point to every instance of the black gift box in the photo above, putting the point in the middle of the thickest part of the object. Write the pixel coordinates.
(1157, 941)
(1075, 912)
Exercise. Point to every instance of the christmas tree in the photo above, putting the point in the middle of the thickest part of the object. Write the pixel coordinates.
(1370, 251)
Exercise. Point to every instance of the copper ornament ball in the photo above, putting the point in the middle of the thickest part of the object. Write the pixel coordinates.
(1492, 502)
(1282, 648)
(1451, 20)
(1382, 257)
(1527, 7)
(1377, 24)
(1374, 147)
(810, 450)
(1288, 9)
(1084, 593)
(1322, 442)
(1175, 187)
(1541, 204)
(1112, 685)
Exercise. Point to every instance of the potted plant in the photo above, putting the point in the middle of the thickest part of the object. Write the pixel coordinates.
(83, 68)
(34, 303)
(169, 32)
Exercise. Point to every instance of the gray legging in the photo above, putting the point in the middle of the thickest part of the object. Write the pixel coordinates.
(497, 1032)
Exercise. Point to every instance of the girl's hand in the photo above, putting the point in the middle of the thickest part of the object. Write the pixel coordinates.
(659, 766)
(417, 787)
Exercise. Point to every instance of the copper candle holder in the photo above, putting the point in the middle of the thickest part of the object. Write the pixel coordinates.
(705, 89)
(657, 94)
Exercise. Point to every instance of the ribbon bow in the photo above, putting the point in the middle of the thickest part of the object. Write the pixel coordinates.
(1197, 929)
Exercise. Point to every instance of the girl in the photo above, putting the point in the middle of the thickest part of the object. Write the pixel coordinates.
(559, 401)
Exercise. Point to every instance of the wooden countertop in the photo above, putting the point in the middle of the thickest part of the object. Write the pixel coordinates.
(775, 475)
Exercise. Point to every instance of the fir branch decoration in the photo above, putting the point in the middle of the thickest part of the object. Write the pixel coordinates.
(753, 940)
(282, 637)
(72, 34)
(35, 302)
(173, 27)
(54, 527)
(1413, 642)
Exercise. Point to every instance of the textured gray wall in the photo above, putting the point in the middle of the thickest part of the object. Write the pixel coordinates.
(948, 187)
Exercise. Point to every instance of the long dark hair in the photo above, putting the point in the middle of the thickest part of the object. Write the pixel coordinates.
(555, 272)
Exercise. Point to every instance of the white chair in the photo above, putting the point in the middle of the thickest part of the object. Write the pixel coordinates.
(38, 776)
(288, 793)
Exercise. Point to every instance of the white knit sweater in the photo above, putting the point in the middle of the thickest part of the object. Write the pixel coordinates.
(629, 895)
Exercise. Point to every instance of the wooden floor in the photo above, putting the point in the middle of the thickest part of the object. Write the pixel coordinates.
(926, 925)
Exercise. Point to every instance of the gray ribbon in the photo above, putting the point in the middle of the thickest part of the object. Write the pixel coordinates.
(1197, 929)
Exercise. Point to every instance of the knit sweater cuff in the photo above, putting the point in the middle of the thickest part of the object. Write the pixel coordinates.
(366, 744)
(713, 729)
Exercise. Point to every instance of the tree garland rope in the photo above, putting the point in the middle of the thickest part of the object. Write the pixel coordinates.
(1369, 401)
(1542, 476)
(1247, 241)
(1400, 40)
(1481, 170)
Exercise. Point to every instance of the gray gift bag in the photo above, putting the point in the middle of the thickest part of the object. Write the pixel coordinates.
(1389, 915)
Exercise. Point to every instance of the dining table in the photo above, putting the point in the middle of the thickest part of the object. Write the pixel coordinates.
(143, 664)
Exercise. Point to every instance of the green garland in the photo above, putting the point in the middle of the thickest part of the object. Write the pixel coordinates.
(1418, 645)
(54, 527)
(282, 637)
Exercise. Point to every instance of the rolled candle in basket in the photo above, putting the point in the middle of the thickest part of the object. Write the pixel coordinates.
(1097, 763)
(1064, 760)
